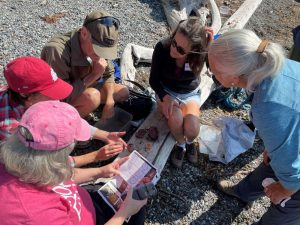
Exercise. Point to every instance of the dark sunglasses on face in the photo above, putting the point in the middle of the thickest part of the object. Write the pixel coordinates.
(181, 51)
(107, 21)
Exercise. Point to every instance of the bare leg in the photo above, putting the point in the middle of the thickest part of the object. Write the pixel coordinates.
(191, 125)
(120, 94)
(175, 123)
(87, 102)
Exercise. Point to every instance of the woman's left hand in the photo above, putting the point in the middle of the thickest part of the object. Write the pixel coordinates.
(112, 169)
(115, 137)
(276, 192)
(108, 151)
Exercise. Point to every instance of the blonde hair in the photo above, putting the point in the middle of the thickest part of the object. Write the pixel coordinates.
(36, 167)
(195, 33)
(235, 53)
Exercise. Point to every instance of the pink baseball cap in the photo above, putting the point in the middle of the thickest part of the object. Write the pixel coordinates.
(29, 74)
(51, 126)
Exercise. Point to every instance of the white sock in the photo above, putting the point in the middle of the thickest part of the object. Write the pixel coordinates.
(181, 145)
(189, 142)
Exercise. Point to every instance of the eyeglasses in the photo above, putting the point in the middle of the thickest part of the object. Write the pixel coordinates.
(107, 21)
(181, 51)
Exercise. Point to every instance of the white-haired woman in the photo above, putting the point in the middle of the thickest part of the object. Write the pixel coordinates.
(240, 58)
(175, 77)
(36, 178)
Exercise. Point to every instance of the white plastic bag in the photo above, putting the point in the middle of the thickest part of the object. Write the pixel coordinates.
(224, 141)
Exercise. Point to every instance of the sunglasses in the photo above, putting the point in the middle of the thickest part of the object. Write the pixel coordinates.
(107, 21)
(181, 51)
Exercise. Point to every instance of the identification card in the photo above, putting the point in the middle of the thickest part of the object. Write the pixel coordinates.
(187, 67)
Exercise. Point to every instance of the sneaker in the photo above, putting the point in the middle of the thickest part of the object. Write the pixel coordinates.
(192, 152)
(177, 156)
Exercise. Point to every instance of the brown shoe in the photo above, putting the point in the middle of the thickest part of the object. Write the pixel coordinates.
(177, 156)
(192, 152)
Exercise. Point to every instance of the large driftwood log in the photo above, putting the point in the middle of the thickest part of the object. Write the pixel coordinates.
(176, 10)
(215, 16)
(127, 64)
(239, 19)
(132, 55)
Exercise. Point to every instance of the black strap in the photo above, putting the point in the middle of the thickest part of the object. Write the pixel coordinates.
(143, 89)
(137, 84)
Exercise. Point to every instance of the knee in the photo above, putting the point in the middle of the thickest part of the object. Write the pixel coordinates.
(122, 95)
(92, 98)
(191, 126)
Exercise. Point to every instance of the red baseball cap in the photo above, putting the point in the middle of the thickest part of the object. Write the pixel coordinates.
(51, 126)
(29, 74)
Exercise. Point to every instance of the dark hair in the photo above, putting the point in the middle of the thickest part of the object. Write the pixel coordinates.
(17, 97)
(194, 31)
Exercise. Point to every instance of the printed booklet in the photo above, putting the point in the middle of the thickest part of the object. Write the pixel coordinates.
(135, 172)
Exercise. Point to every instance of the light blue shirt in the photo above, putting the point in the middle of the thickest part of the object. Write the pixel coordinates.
(276, 115)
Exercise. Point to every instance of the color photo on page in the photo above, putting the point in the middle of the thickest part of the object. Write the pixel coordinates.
(135, 172)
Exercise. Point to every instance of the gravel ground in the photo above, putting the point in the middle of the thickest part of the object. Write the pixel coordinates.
(189, 195)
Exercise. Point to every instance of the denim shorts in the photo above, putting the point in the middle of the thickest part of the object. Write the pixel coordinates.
(194, 95)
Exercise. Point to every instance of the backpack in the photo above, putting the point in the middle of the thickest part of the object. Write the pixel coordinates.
(231, 98)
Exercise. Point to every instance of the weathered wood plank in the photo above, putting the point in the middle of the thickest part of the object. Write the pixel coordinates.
(155, 118)
(239, 19)
(164, 152)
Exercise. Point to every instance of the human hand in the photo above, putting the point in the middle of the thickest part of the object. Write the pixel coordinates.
(167, 105)
(99, 67)
(131, 206)
(109, 151)
(210, 35)
(112, 169)
(115, 137)
(277, 193)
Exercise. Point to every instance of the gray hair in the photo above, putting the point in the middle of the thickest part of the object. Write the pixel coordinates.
(36, 166)
(235, 53)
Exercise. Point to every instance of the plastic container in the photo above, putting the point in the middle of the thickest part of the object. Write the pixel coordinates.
(266, 182)
(119, 122)
(224, 10)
